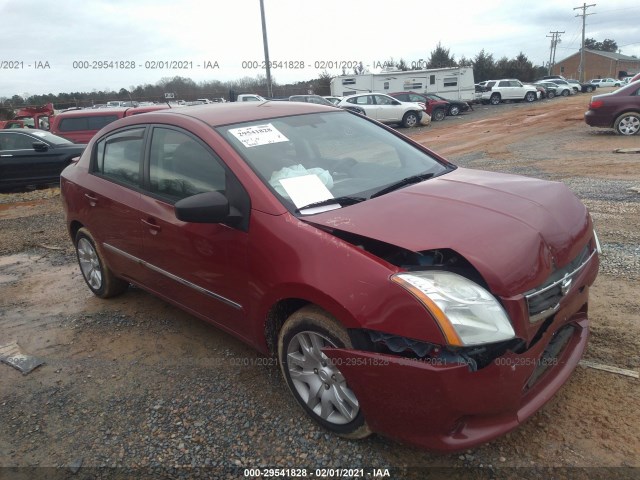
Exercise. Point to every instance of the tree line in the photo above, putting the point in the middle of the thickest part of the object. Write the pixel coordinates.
(484, 65)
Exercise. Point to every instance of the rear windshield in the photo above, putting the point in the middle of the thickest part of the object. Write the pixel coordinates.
(95, 122)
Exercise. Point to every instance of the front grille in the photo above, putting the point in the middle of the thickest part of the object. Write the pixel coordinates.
(545, 300)
(551, 354)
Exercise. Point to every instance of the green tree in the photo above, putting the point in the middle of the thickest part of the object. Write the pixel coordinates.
(484, 67)
(402, 65)
(441, 57)
(607, 45)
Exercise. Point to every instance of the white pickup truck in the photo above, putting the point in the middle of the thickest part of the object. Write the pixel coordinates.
(250, 97)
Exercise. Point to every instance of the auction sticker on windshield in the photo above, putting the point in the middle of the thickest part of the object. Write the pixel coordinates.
(257, 135)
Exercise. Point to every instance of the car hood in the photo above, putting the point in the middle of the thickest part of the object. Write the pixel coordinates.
(514, 230)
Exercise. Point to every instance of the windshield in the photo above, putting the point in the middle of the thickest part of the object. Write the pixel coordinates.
(50, 137)
(312, 158)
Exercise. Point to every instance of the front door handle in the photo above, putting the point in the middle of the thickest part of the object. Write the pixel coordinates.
(154, 228)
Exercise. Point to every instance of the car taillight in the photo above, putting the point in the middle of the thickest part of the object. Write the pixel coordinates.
(596, 104)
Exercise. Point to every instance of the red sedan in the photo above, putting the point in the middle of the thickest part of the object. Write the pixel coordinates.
(402, 295)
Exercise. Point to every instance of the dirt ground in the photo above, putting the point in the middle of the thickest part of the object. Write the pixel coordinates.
(108, 362)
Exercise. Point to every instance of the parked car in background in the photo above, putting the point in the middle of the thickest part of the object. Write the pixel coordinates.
(559, 89)
(546, 91)
(455, 106)
(508, 89)
(332, 99)
(33, 157)
(566, 88)
(400, 294)
(384, 108)
(581, 87)
(80, 125)
(317, 99)
(436, 108)
(619, 110)
(606, 82)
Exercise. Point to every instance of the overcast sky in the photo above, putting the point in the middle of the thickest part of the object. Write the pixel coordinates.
(200, 33)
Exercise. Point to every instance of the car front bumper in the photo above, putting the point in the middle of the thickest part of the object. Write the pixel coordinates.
(448, 407)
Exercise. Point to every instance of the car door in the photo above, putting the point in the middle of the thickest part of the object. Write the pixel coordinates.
(387, 108)
(200, 266)
(22, 164)
(111, 195)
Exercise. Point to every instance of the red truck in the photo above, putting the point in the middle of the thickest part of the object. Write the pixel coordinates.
(33, 117)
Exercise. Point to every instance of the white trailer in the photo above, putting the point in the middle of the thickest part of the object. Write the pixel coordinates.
(451, 83)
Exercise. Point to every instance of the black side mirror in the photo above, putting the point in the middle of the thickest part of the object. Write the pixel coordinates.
(40, 146)
(208, 207)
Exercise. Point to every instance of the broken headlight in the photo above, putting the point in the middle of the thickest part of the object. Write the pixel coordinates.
(466, 313)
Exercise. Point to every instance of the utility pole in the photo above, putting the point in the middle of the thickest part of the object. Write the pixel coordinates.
(584, 7)
(266, 50)
(555, 39)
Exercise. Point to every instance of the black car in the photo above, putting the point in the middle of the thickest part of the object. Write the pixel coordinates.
(455, 106)
(33, 157)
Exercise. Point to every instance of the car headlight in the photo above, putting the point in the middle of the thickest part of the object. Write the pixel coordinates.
(466, 313)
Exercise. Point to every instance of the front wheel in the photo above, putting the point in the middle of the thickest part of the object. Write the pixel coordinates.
(102, 282)
(317, 384)
(454, 110)
(589, 89)
(438, 115)
(530, 96)
(551, 94)
(495, 99)
(565, 93)
(410, 119)
(627, 124)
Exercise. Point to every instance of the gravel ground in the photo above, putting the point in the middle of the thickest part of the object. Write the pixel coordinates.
(134, 388)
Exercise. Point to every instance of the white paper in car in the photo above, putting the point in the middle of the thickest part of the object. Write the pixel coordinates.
(307, 189)
(257, 135)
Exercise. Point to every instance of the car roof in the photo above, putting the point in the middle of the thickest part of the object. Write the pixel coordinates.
(238, 112)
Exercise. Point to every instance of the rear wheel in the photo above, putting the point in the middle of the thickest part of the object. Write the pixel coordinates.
(589, 89)
(316, 383)
(495, 99)
(551, 94)
(102, 282)
(565, 93)
(410, 119)
(454, 110)
(627, 123)
(438, 115)
(530, 96)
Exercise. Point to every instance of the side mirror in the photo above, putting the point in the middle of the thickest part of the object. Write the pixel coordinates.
(208, 207)
(40, 146)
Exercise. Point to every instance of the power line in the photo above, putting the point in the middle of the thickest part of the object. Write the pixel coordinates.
(584, 15)
(555, 39)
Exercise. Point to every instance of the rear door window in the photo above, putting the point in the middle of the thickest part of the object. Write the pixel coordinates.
(119, 156)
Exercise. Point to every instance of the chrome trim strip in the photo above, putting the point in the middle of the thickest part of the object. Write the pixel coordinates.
(544, 313)
(558, 282)
(180, 280)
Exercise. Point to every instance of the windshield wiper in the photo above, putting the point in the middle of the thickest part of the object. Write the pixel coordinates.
(346, 200)
(402, 183)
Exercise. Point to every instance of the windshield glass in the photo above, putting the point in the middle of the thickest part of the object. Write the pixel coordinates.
(316, 157)
(50, 137)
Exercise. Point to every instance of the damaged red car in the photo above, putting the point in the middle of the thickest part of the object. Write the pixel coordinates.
(402, 295)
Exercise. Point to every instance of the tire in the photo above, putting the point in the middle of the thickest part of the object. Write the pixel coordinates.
(454, 110)
(530, 96)
(551, 94)
(589, 89)
(438, 115)
(565, 93)
(410, 119)
(627, 124)
(98, 276)
(616, 84)
(495, 99)
(307, 370)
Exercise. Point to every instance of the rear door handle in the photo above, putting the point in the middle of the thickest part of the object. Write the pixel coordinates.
(92, 200)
